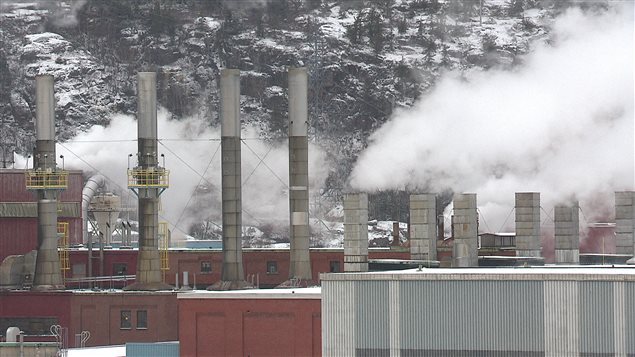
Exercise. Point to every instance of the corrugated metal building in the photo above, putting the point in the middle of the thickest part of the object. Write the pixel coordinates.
(480, 312)
(18, 212)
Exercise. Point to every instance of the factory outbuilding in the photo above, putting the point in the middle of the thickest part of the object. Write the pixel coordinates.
(480, 312)
(274, 322)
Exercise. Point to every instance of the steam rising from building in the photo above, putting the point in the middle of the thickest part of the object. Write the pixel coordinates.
(560, 124)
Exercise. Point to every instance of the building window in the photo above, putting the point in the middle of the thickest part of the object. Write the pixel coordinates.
(334, 266)
(79, 270)
(272, 267)
(119, 269)
(206, 267)
(126, 320)
(142, 319)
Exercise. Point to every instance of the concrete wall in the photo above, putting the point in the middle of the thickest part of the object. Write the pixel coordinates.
(527, 212)
(356, 232)
(256, 324)
(484, 312)
(465, 228)
(423, 226)
(567, 233)
(624, 222)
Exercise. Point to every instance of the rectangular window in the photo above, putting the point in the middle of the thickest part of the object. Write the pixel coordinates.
(334, 266)
(119, 269)
(79, 270)
(142, 319)
(126, 320)
(206, 267)
(272, 267)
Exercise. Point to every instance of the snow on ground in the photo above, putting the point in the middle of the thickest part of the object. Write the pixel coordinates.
(103, 351)
(212, 23)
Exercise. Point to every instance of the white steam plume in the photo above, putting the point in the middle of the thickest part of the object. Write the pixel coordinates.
(562, 125)
(189, 146)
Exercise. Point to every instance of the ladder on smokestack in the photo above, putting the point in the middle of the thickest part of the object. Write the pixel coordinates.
(63, 247)
(164, 244)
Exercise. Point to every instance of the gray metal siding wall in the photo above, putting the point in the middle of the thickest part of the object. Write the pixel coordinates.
(476, 316)
(372, 319)
(338, 303)
(596, 317)
(629, 317)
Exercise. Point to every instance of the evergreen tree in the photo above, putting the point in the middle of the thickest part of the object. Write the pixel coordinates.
(375, 29)
(516, 8)
(354, 30)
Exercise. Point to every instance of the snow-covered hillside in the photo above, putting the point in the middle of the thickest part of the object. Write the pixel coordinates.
(366, 60)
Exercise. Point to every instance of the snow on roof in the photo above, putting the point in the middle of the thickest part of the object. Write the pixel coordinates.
(299, 293)
(102, 351)
(545, 273)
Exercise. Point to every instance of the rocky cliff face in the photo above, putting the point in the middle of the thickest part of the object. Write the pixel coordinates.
(366, 59)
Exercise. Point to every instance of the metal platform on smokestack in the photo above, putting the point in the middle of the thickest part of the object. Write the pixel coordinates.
(148, 180)
(46, 181)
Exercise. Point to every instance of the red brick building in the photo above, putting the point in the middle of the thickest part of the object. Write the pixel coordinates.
(274, 322)
(112, 317)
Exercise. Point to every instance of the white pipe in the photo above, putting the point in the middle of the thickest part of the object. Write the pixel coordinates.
(186, 280)
(89, 191)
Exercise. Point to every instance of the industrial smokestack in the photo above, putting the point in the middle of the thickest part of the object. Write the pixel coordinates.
(567, 233)
(423, 227)
(300, 263)
(465, 231)
(148, 180)
(46, 181)
(528, 224)
(625, 222)
(355, 232)
(232, 276)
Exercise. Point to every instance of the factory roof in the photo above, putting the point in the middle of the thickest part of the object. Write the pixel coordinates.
(546, 273)
(299, 293)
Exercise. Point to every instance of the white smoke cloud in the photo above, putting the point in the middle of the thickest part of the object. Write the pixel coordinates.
(562, 125)
(192, 150)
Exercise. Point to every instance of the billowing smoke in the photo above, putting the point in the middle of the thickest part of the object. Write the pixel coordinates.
(560, 124)
(192, 154)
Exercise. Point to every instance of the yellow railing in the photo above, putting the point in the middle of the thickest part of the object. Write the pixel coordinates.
(144, 178)
(62, 246)
(46, 180)
(164, 243)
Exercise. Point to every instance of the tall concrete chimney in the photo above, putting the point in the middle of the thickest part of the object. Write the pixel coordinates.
(423, 227)
(465, 228)
(232, 276)
(624, 222)
(355, 232)
(148, 182)
(46, 181)
(300, 263)
(567, 233)
(528, 224)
